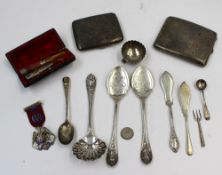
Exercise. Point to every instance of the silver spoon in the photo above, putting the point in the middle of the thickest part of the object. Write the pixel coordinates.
(166, 82)
(201, 85)
(142, 84)
(90, 147)
(117, 86)
(66, 130)
(184, 98)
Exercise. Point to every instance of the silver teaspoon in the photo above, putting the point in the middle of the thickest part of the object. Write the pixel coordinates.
(201, 84)
(142, 84)
(90, 147)
(117, 87)
(184, 97)
(66, 130)
(166, 82)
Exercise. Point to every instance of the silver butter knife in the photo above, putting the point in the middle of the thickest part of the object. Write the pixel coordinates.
(184, 97)
(166, 82)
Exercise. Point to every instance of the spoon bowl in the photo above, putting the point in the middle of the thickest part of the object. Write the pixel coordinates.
(142, 82)
(201, 84)
(66, 132)
(89, 148)
(118, 83)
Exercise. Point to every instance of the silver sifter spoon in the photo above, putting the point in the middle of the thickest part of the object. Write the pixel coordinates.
(90, 147)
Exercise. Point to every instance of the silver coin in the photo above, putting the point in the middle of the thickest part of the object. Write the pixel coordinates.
(127, 133)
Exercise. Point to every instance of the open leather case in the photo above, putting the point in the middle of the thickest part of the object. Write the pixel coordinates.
(39, 57)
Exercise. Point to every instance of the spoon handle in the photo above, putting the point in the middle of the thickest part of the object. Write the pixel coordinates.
(66, 85)
(189, 146)
(112, 154)
(174, 141)
(146, 152)
(205, 108)
(90, 86)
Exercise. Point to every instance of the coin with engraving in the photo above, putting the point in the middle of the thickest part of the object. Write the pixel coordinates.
(127, 133)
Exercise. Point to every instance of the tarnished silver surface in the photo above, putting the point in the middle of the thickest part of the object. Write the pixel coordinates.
(198, 117)
(167, 83)
(118, 83)
(201, 85)
(66, 130)
(142, 84)
(117, 87)
(42, 139)
(127, 133)
(186, 39)
(90, 147)
(184, 98)
(44, 64)
(133, 52)
(38, 71)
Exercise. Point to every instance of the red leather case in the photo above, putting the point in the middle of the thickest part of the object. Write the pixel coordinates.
(39, 57)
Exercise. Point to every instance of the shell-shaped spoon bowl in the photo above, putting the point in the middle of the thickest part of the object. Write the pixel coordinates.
(89, 148)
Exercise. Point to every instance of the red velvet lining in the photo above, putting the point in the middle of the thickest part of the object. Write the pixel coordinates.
(34, 51)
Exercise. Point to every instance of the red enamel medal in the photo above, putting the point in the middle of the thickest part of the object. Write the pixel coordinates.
(35, 114)
(42, 139)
